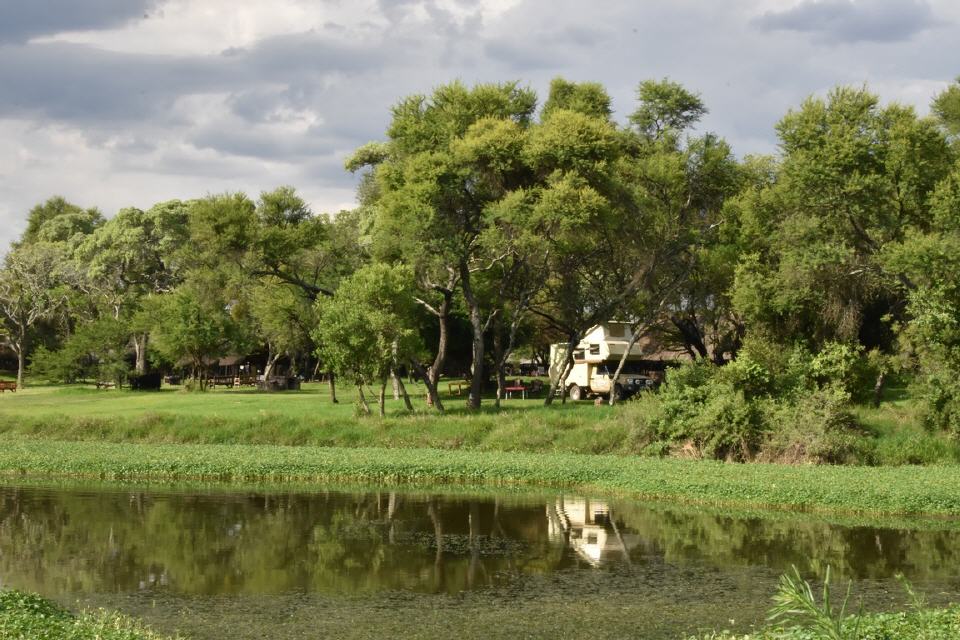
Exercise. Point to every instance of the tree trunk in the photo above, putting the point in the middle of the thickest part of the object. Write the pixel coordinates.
(403, 392)
(500, 362)
(635, 335)
(140, 348)
(333, 389)
(395, 383)
(558, 384)
(362, 400)
(476, 325)
(692, 338)
(382, 398)
(272, 359)
(431, 388)
(878, 389)
(21, 361)
(443, 316)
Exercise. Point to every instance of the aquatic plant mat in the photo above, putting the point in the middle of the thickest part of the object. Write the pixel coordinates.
(928, 491)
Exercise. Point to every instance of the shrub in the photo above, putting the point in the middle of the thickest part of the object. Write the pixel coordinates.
(819, 427)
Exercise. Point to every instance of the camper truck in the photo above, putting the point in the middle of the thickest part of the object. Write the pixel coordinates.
(596, 358)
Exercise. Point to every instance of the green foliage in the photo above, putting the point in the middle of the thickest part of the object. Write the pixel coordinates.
(97, 350)
(28, 616)
(588, 98)
(665, 108)
(795, 602)
(368, 327)
(57, 220)
(195, 326)
(946, 107)
(771, 402)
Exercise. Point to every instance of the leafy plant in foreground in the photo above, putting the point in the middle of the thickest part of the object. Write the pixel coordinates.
(795, 602)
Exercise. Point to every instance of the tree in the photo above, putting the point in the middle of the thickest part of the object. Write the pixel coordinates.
(97, 349)
(195, 325)
(57, 220)
(450, 156)
(665, 109)
(367, 328)
(27, 294)
(855, 178)
(946, 108)
(133, 256)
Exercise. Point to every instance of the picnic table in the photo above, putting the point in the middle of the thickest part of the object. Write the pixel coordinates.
(511, 388)
(8, 385)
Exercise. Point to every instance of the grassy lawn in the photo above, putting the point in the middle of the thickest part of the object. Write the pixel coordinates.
(307, 417)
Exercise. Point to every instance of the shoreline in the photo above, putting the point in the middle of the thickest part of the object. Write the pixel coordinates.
(909, 491)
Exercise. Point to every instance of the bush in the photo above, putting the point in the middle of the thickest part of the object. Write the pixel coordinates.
(781, 404)
(702, 408)
(819, 427)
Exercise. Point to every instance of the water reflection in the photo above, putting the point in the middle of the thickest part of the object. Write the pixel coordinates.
(75, 541)
(589, 528)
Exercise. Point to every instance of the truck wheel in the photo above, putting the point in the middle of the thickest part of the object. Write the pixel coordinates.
(575, 392)
(618, 392)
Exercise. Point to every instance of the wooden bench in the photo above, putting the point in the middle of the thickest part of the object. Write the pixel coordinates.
(6, 385)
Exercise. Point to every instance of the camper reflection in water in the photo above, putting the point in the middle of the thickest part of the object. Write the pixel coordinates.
(590, 529)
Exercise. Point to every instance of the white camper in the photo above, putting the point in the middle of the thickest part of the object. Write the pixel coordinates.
(595, 361)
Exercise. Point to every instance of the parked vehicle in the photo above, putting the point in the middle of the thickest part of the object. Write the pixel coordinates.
(596, 359)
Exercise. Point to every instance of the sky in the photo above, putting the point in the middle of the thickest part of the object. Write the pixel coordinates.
(117, 103)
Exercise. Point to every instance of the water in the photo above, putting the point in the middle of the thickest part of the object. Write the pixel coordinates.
(214, 563)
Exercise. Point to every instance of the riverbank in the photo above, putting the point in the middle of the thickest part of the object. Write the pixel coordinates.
(891, 434)
(906, 490)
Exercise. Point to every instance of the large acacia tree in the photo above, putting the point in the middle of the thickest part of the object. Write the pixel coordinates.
(449, 156)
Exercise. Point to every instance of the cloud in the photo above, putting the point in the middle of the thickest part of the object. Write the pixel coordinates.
(21, 20)
(849, 21)
(112, 110)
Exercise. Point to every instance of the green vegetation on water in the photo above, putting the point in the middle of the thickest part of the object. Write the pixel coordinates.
(889, 490)
(29, 617)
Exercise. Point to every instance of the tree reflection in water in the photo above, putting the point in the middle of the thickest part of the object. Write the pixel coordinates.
(106, 540)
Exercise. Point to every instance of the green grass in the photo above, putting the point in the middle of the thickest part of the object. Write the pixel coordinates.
(29, 617)
(226, 416)
(905, 490)
(305, 418)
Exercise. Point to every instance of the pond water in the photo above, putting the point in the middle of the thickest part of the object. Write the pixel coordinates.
(216, 563)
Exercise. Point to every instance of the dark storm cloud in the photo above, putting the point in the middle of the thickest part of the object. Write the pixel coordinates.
(79, 83)
(21, 20)
(83, 84)
(847, 21)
